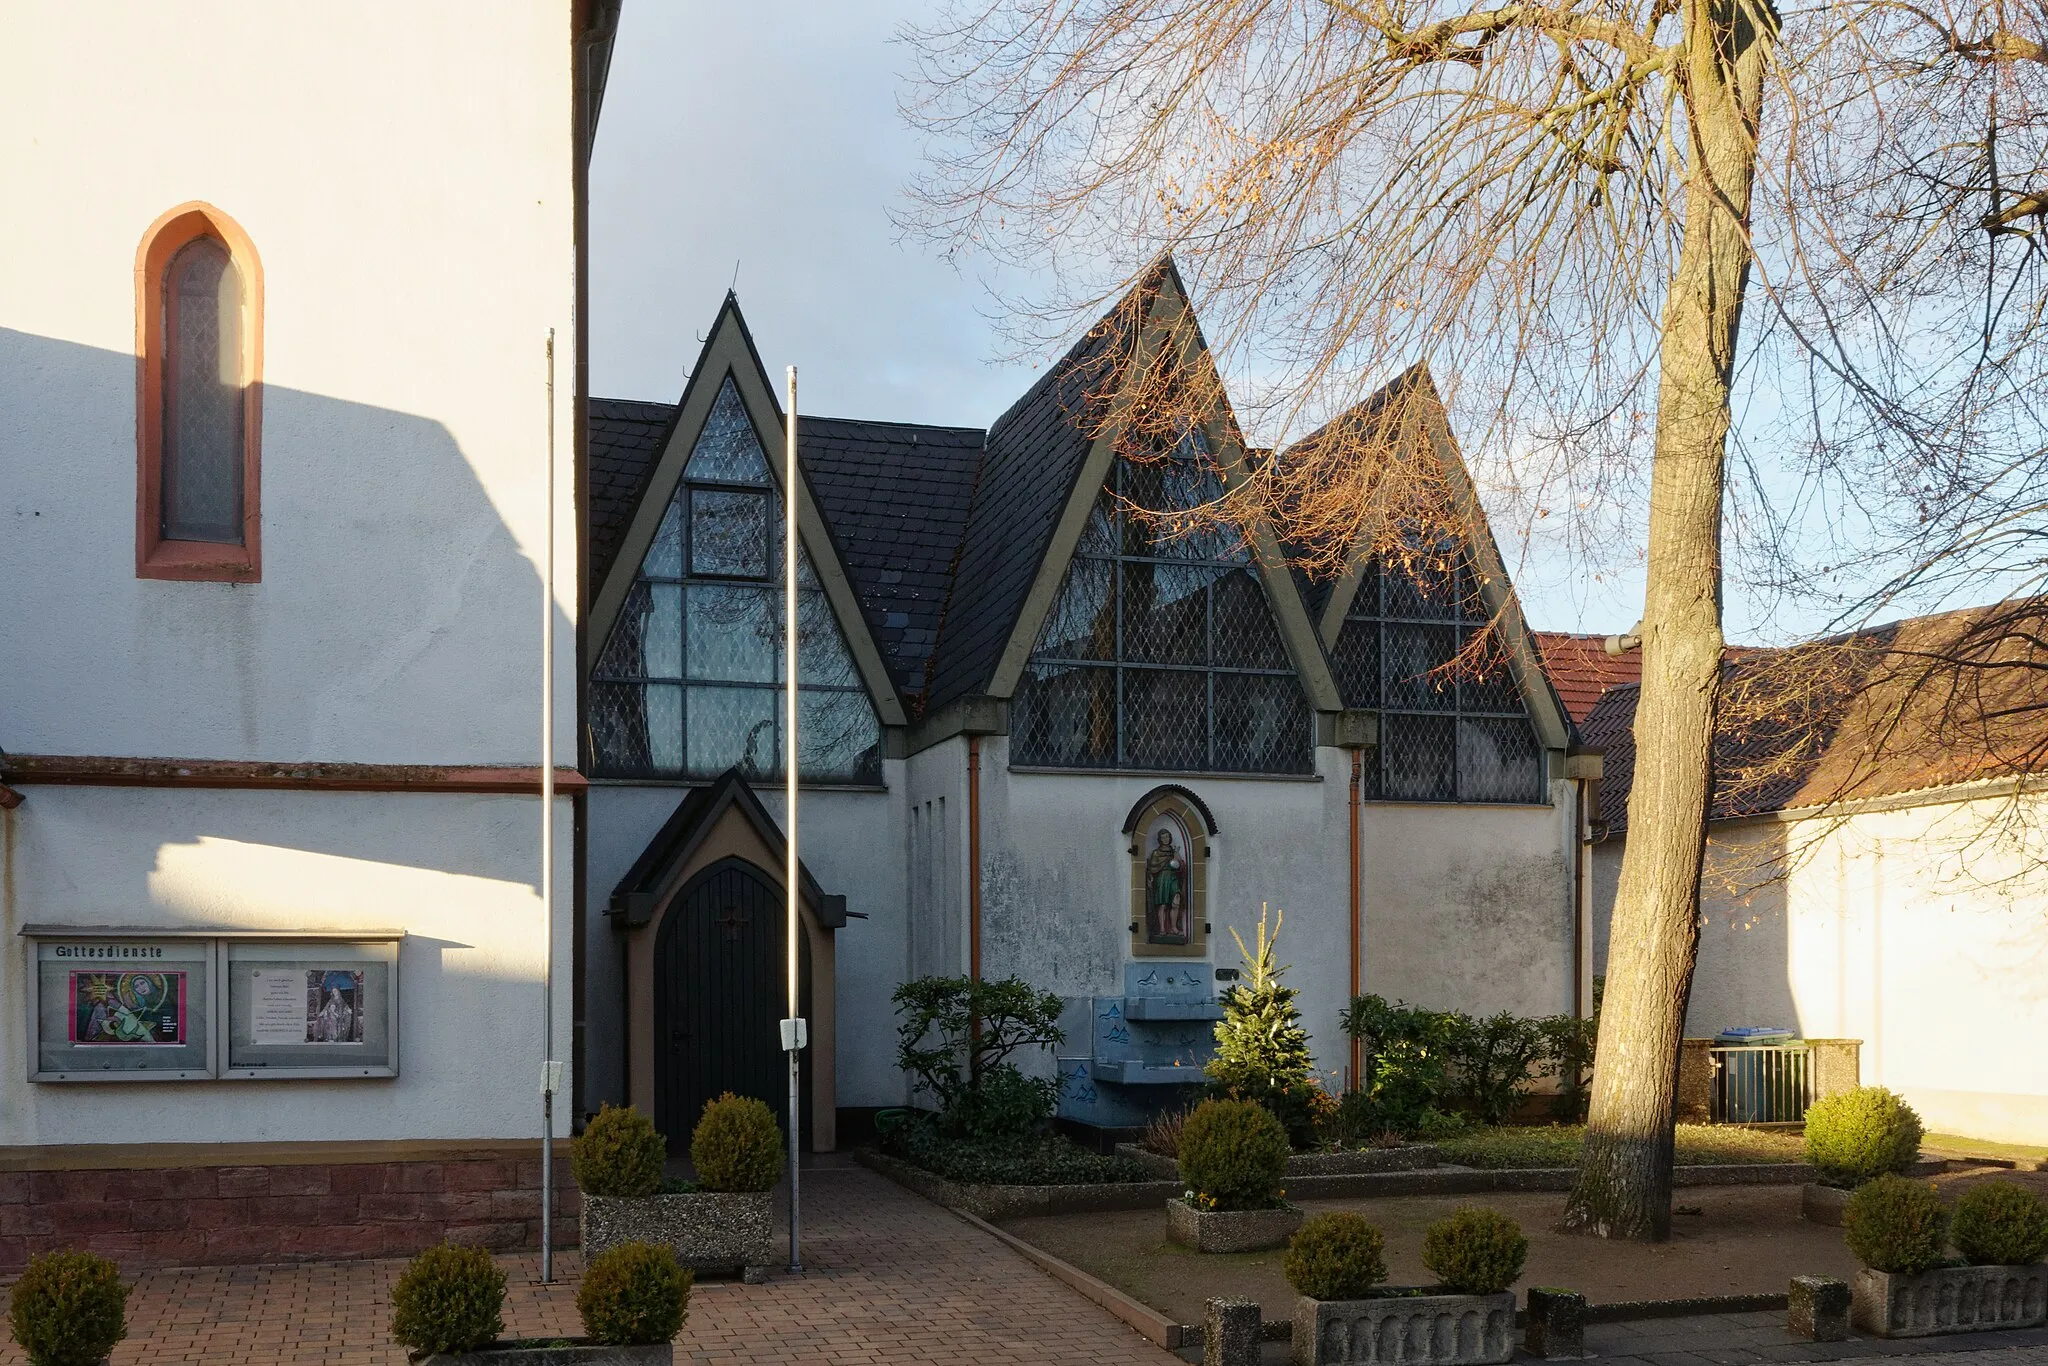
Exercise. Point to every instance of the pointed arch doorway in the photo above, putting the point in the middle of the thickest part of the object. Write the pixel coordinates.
(703, 919)
(719, 989)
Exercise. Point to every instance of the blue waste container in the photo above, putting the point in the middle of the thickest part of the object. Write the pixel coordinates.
(1758, 1082)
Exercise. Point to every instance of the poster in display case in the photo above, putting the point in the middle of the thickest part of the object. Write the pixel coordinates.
(312, 1009)
(141, 1005)
(121, 1008)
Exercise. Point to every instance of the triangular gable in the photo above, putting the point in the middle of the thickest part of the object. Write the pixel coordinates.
(729, 353)
(653, 874)
(1062, 416)
(1496, 590)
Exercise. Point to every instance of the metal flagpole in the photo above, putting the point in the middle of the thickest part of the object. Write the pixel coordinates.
(793, 1027)
(550, 1070)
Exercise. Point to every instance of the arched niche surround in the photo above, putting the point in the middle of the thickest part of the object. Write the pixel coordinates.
(1170, 832)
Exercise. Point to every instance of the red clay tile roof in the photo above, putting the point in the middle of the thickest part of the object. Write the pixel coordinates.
(1581, 669)
(1925, 703)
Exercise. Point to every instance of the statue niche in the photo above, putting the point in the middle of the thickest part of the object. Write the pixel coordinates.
(1169, 879)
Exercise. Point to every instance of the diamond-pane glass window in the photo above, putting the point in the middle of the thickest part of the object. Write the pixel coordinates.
(202, 396)
(1160, 652)
(690, 682)
(1446, 735)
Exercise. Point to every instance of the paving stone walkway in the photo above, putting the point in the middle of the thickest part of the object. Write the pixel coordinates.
(889, 1278)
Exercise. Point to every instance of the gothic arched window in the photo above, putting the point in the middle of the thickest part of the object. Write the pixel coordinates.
(1447, 734)
(690, 681)
(1160, 651)
(198, 336)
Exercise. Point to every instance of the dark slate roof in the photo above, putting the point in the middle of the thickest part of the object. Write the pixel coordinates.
(1035, 453)
(626, 438)
(895, 496)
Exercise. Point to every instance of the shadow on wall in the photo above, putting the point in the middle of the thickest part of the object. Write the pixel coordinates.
(1744, 972)
(393, 623)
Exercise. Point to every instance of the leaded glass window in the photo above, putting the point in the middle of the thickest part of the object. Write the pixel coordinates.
(1160, 652)
(1448, 733)
(202, 396)
(690, 682)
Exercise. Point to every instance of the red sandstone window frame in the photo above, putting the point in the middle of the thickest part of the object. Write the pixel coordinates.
(157, 557)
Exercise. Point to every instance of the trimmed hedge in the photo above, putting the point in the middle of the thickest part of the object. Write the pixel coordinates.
(1892, 1224)
(737, 1145)
(68, 1309)
(1335, 1256)
(2001, 1223)
(1233, 1155)
(1861, 1134)
(1475, 1251)
(618, 1153)
(634, 1294)
(448, 1300)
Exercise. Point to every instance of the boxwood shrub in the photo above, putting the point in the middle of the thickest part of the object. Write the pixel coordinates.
(448, 1300)
(1857, 1135)
(1475, 1251)
(737, 1145)
(68, 1309)
(2001, 1223)
(1892, 1224)
(1233, 1155)
(1335, 1256)
(618, 1153)
(634, 1294)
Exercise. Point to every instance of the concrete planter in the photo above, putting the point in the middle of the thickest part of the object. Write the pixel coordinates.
(1950, 1299)
(1416, 1330)
(1407, 1158)
(1230, 1230)
(1820, 1204)
(707, 1230)
(566, 1352)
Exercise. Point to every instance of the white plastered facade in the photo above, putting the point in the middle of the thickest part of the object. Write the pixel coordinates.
(406, 177)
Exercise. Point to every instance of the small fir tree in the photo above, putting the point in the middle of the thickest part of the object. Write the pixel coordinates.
(1261, 1048)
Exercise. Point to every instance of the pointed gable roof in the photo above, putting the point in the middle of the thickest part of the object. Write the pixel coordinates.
(626, 438)
(687, 827)
(728, 352)
(1496, 590)
(1035, 454)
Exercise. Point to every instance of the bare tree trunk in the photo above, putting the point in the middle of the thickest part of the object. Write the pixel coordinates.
(1624, 1182)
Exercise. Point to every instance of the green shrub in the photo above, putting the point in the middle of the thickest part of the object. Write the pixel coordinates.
(448, 1300)
(1233, 1155)
(1892, 1224)
(1860, 1134)
(632, 1294)
(2001, 1224)
(1336, 1256)
(68, 1309)
(952, 1036)
(737, 1145)
(618, 1153)
(1034, 1160)
(1475, 1251)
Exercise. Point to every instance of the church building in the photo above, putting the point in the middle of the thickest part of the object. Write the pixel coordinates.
(1039, 737)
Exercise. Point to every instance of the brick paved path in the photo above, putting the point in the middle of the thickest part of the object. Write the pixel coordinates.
(888, 1278)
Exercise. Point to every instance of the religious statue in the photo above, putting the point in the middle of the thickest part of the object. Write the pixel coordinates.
(1166, 901)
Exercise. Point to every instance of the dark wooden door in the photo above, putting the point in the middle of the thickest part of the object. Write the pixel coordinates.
(718, 995)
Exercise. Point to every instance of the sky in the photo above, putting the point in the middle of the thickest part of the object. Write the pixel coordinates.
(759, 147)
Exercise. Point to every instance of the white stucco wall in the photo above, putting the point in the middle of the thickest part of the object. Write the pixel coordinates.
(406, 177)
(852, 841)
(1470, 907)
(457, 873)
(1920, 931)
(404, 173)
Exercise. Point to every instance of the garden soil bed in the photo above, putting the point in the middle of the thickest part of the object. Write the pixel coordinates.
(1748, 1240)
